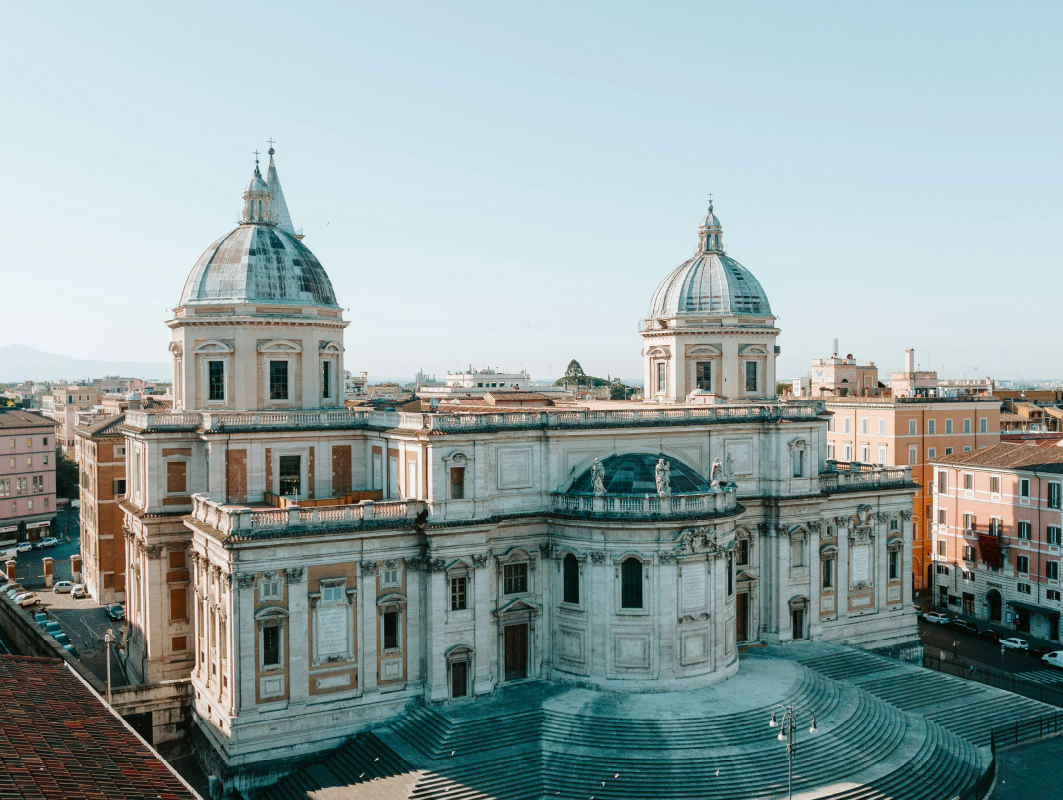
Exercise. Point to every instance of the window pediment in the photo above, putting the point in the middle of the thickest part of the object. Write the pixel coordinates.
(212, 346)
(391, 598)
(752, 350)
(517, 605)
(271, 612)
(280, 346)
(329, 347)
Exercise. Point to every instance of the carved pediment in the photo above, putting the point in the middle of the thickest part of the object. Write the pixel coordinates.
(518, 605)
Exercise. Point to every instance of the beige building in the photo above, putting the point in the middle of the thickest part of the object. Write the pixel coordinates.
(63, 405)
(100, 450)
(843, 377)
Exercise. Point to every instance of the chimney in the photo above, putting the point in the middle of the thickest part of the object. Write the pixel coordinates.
(909, 360)
(835, 350)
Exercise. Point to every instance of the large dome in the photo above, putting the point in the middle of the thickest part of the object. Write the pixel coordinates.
(262, 260)
(710, 283)
(633, 474)
(258, 263)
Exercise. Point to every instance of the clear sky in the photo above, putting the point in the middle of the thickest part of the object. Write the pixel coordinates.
(506, 183)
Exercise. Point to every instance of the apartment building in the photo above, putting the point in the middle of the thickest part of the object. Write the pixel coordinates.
(997, 535)
(63, 406)
(911, 431)
(27, 476)
(100, 451)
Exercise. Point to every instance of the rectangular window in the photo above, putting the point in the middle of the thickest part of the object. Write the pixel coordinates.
(943, 482)
(968, 522)
(995, 525)
(865, 453)
(931, 452)
(391, 630)
(827, 566)
(912, 429)
(1024, 529)
(848, 451)
(178, 604)
(332, 594)
(931, 427)
(948, 426)
(389, 576)
(179, 644)
(1052, 570)
(983, 425)
(882, 454)
(1022, 564)
(269, 590)
(704, 376)
(968, 553)
(742, 552)
(797, 458)
(863, 425)
(278, 380)
(913, 456)
(1024, 588)
(943, 516)
(847, 425)
(119, 451)
(968, 481)
(1024, 488)
(994, 484)
(176, 559)
(1053, 535)
(943, 548)
(751, 376)
(1053, 495)
(326, 379)
(894, 565)
(216, 380)
(948, 451)
(290, 475)
(457, 593)
(1052, 594)
(515, 578)
(662, 377)
(830, 452)
(967, 425)
(457, 483)
(176, 477)
(118, 486)
(271, 646)
(882, 427)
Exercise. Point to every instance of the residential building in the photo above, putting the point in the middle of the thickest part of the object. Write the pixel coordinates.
(473, 383)
(911, 431)
(100, 450)
(27, 476)
(997, 535)
(319, 570)
(842, 377)
(63, 405)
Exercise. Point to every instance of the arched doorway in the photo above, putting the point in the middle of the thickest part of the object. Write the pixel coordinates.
(992, 597)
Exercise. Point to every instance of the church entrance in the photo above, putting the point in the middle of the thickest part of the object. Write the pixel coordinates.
(993, 598)
(516, 646)
(458, 679)
(742, 616)
(798, 618)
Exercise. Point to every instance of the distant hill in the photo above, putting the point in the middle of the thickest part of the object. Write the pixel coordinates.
(21, 363)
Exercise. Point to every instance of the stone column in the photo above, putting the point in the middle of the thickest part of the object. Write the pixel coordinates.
(668, 615)
(484, 625)
(245, 639)
(843, 572)
(417, 632)
(881, 561)
(601, 584)
(298, 636)
(906, 559)
(782, 608)
(814, 586)
(367, 658)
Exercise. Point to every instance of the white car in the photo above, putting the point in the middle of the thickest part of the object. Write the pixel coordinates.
(27, 599)
(78, 591)
(935, 618)
(47, 541)
(23, 547)
(62, 587)
(1054, 659)
(1015, 644)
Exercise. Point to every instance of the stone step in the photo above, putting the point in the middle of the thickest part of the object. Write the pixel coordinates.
(909, 694)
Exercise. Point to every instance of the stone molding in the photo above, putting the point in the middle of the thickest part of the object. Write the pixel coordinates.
(294, 575)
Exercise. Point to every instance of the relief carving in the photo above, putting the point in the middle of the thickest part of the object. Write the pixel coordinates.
(906, 514)
(152, 550)
(479, 560)
(597, 556)
(245, 580)
(815, 526)
(882, 516)
(698, 540)
(546, 550)
(369, 567)
(294, 574)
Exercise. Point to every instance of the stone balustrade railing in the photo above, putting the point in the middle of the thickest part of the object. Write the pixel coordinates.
(230, 519)
(459, 423)
(718, 502)
(841, 477)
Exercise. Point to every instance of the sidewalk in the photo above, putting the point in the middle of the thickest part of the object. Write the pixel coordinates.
(1003, 630)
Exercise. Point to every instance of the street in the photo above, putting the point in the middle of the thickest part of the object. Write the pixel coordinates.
(937, 638)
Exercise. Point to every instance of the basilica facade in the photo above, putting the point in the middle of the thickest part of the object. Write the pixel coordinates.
(318, 570)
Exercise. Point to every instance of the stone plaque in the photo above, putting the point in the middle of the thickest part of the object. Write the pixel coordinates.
(514, 469)
(893, 594)
(861, 564)
(857, 602)
(633, 651)
(741, 457)
(694, 587)
(331, 631)
(334, 681)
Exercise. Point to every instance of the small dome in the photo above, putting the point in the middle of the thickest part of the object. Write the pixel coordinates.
(257, 185)
(710, 220)
(635, 474)
(133, 397)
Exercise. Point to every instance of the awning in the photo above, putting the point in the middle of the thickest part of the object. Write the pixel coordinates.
(33, 525)
(1048, 612)
(9, 529)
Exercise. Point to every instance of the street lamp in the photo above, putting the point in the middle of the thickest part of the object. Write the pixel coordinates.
(787, 729)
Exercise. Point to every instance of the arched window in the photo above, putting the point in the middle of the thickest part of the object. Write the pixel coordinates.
(631, 583)
(571, 568)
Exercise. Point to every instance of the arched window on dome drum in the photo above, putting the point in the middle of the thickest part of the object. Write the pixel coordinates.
(631, 583)
(571, 576)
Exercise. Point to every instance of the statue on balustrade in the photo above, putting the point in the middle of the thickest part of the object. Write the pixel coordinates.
(598, 478)
(663, 474)
(716, 473)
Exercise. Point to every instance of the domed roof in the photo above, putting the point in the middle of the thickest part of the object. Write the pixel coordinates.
(634, 474)
(710, 283)
(260, 261)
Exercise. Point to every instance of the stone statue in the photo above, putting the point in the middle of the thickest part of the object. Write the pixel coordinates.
(598, 478)
(716, 473)
(729, 470)
(663, 474)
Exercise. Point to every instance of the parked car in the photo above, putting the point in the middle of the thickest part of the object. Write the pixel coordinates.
(23, 547)
(40, 618)
(115, 612)
(62, 638)
(47, 541)
(1054, 659)
(1039, 651)
(63, 587)
(14, 588)
(934, 618)
(963, 626)
(52, 628)
(72, 650)
(28, 599)
(1014, 643)
(989, 635)
(78, 592)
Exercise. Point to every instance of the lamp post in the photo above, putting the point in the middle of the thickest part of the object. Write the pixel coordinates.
(787, 731)
(107, 639)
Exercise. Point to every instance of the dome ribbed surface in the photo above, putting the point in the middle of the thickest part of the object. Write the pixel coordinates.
(709, 283)
(258, 264)
(635, 474)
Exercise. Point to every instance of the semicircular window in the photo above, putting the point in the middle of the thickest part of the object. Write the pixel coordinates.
(634, 474)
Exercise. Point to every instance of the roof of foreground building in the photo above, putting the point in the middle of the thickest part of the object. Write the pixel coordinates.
(59, 739)
(1009, 456)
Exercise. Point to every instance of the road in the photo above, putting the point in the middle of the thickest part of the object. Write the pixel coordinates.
(937, 638)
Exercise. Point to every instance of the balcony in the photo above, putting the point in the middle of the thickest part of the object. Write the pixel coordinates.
(246, 520)
(716, 503)
(856, 477)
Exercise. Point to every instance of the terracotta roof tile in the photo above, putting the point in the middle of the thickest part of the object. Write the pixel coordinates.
(1009, 456)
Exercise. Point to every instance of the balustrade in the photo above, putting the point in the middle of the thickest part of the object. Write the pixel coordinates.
(228, 519)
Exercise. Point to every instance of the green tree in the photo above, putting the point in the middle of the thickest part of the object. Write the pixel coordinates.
(66, 475)
(618, 391)
(574, 373)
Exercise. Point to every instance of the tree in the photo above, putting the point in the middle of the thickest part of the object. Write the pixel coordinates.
(574, 373)
(66, 475)
(618, 391)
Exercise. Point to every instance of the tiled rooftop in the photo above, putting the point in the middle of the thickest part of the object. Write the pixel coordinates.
(1009, 456)
(17, 418)
(59, 740)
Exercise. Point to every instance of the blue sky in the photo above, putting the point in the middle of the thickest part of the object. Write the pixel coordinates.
(505, 184)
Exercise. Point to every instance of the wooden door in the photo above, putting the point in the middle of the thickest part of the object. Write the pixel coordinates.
(516, 641)
(742, 617)
(458, 679)
(799, 623)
